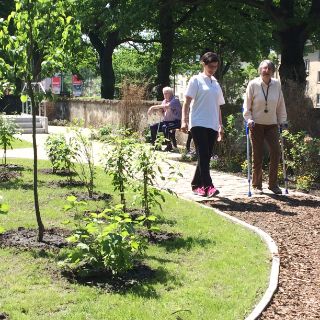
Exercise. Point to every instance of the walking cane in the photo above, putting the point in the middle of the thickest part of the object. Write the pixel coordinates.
(248, 161)
(283, 159)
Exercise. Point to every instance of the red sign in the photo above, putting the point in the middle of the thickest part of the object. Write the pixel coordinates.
(56, 85)
(76, 80)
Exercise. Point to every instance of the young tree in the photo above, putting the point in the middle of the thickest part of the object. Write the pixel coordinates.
(43, 42)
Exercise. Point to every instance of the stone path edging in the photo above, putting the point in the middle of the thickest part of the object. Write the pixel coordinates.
(275, 265)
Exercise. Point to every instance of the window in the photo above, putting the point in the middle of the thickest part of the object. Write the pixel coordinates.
(307, 65)
(318, 76)
(318, 101)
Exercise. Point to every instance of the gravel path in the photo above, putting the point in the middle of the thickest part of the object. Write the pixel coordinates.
(294, 223)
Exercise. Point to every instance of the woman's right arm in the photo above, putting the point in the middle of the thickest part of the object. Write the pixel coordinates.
(185, 114)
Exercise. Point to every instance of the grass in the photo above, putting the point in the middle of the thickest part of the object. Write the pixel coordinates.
(215, 270)
(21, 144)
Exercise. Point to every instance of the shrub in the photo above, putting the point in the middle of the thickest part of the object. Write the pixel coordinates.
(8, 130)
(105, 241)
(60, 152)
(302, 154)
(83, 147)
(118, 160)
(304, 183)
(231, 150)
(104, 132)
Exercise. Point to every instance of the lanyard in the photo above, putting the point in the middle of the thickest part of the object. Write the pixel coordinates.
(265, 97)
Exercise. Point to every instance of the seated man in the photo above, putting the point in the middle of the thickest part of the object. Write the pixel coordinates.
(171, 110)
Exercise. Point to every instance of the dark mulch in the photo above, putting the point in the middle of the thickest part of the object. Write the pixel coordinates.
(120, 283)
(84, 196)
(294, 223)
(3, 315)
(159, 236)
(7, 175)
(9, 172)
(26, 239)
(66, 184)
(62, 173)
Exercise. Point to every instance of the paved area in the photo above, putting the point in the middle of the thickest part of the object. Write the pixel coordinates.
(230, 186)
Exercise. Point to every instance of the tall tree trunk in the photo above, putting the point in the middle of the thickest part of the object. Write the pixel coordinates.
(107, 74)
(105, 52)
(293, 76)
(35, 163)
(167, 29)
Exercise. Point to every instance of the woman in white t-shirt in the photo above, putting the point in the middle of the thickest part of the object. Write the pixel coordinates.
(204, 120)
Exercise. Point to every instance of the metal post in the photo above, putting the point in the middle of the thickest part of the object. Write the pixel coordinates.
(248, 161)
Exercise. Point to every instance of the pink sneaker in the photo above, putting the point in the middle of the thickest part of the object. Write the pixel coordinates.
(200, 191)
(211, 191)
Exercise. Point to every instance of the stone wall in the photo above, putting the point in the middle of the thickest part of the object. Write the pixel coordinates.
(117, 113)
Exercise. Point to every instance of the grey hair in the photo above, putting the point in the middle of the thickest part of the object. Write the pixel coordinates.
(270, 65)
(167, 89)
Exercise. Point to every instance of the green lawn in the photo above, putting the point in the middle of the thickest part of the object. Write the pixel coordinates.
(21, 144)
(215, 270)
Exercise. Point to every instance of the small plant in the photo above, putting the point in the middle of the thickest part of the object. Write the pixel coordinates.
(118, 160)
(60, 152)
(104, 132)
(105, 241)
(231, 150)
(84, 157)
(244, 167)
(188, 156)
(304, 183)
(147, 169)
(8, 130)
(302, 154)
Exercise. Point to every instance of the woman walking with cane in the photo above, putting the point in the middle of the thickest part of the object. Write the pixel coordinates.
(204, 121)
(264, 110)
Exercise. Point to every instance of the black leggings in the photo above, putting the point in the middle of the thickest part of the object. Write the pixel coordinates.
(204, 140)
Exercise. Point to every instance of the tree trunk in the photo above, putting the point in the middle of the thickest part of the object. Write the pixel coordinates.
(105, 52)
(293, 76)
(167, 29)
(107, 74)
(35, 163)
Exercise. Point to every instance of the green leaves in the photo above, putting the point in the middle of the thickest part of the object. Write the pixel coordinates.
(106, 241)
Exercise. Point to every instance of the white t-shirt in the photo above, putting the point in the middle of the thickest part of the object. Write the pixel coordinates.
(207, 98)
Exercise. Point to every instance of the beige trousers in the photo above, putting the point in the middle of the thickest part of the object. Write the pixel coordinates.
(258, 134)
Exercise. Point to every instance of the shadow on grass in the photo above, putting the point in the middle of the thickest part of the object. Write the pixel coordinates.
(19, 184)
(268, 204)
(138, 281)
(185, 244)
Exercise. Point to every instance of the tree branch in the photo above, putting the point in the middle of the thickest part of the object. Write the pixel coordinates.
(186, 16)
(96, 42)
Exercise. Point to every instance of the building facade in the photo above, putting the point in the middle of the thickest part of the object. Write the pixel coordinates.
(312, 63)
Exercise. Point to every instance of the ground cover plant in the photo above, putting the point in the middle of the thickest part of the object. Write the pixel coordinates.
(213, 270)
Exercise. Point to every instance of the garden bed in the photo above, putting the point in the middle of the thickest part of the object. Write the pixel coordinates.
(294, 223)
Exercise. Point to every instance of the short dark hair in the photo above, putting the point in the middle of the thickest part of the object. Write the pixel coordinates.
(209, 57)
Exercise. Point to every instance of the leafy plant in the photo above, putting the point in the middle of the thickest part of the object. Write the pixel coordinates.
(231, 150)
(302, 154)
(304, 182)
(84, 157)
(118, 161)
(8, 130)
(60, 152)
(103, 241)
(147, 169)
